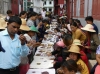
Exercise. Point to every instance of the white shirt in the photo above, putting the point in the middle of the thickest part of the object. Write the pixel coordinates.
(43, 13)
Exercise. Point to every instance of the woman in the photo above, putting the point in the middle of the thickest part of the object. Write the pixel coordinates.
(77, 33)
(23, 15)
(83, 56)
(92, 41)
(31, 18)
(74, 53)
(78, 23)
(68, 67)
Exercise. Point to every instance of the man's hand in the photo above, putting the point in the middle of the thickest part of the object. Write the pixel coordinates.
(22, 39)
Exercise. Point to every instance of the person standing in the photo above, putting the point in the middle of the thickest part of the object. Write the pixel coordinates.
(14, 47)
(89, 20)
(9, 14)
(43, 12)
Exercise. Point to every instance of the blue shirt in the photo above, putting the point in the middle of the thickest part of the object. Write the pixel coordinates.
(13, 50)
(95, 28)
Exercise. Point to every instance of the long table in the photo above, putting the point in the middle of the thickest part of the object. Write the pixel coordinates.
(42, 62)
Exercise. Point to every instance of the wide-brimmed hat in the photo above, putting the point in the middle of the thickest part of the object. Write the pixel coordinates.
(24, 25)
(1, 26)
(3, 22)
(89, 28)
(33, 28)
(77, 42)
(74, 49)
(2, 16)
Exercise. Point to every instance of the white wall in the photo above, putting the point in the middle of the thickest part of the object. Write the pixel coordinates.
(4, 6)
(47, 5)
(38, 5)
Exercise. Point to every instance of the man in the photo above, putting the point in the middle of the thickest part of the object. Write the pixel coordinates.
(14, 47)
(39, 19)
(89, 20)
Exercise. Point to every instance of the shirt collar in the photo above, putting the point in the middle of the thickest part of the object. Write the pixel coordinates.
(5, 32)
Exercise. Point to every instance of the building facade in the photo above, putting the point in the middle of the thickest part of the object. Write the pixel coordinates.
(81, 8)
(58, 7)
(48, 5)
(27, 4)
(37, 5)
(4, 6)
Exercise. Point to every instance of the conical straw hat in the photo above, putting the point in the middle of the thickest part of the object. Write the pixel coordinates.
(24, 26)
(74, 49)
(89, 28)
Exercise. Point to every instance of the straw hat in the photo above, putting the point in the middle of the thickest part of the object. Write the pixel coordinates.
(74, 49)
(24, 26)
(3, 22)
(33, 28)
(89, 28)
(77, 42)
(2, 27)
(2, 16)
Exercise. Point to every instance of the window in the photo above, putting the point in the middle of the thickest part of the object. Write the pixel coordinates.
(45, 3)
(50, 9)
(50, 2)
(45, 9)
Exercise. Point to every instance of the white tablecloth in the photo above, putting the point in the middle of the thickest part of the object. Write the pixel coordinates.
(41, 62)
(39, 71)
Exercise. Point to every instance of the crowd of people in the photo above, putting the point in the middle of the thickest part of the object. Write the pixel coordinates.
(74, 44)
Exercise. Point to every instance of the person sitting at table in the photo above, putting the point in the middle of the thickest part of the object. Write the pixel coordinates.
(77, 33)
(57, 34)
(24, 65)
(58, 47)
(68, 67)
(42, 29)
(63, 27)
(74, 53)
(31, 43)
